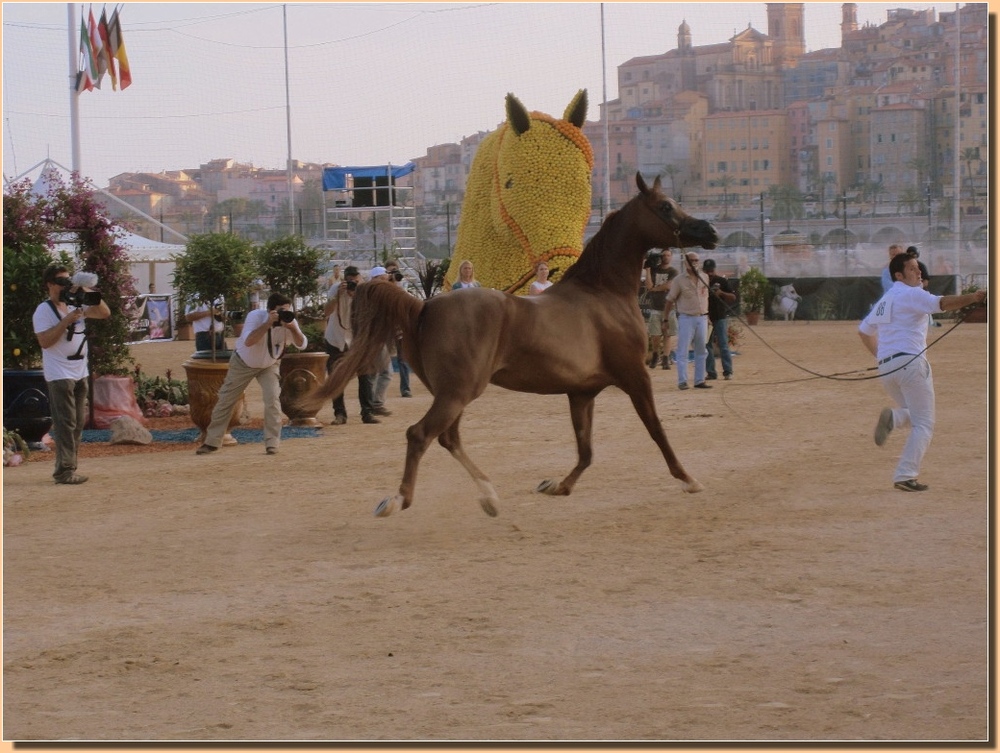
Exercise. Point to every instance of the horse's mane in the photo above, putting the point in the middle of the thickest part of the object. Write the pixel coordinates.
(603, 265)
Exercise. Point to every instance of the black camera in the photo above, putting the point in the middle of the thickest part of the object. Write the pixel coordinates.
(351, 284)
(653, 261)
(284, 317)
(397, 276)
(78, 297)
(234, 316)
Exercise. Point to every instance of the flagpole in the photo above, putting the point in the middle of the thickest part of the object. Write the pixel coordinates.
(74, 95)
(288, 126)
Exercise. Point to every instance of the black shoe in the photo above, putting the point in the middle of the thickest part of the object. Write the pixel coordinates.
(911, 485)
(381, 411)
(405, 394)
(653, 360)
(73, 478)
(271, 450)
(370, 420)
(205, 449)
(702, 386)
(338, 421)
(711, 376)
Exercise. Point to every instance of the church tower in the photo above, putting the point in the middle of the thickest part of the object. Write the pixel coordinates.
(684, 37)
(785, 25)
(848, 21)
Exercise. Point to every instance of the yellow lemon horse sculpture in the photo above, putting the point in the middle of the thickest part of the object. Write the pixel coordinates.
(527, 198)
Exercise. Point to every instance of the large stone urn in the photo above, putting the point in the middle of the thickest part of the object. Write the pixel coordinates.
(205, 376)
(26, 403)
(300, 373)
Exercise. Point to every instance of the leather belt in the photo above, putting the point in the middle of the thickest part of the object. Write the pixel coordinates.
(895, 355)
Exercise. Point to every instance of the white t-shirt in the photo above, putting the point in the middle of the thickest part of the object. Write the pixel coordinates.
(538, 287)
(206, 323)
(257, 356)
(56, 363)
(899, 319)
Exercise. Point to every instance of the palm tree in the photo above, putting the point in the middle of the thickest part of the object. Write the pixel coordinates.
(672, 171)
(724, 183)
(826, 179)
(969, 155)
(786, 204)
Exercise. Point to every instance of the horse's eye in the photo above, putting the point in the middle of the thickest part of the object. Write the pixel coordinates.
(509, 183)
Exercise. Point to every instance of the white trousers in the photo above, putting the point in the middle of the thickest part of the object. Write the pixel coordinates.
(912, 388)
(691, 330)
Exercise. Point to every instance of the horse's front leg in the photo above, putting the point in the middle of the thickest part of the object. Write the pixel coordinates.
(581, 410)
(451, 441)
(641, 394)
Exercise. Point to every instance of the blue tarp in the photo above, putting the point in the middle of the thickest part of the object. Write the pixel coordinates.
(336, 177)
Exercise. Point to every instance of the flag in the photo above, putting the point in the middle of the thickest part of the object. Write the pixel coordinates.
(117, 42)
(88, 66)
(96, 50)
(107, 59)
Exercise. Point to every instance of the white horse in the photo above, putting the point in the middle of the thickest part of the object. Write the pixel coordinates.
(786, 301)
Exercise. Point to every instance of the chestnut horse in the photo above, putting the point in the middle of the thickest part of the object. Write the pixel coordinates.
(581, 335)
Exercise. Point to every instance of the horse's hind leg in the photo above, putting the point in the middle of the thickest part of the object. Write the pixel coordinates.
(581, 411)
(642, 400)
(451, 441)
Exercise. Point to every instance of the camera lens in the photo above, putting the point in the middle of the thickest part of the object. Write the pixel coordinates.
(397, 276)
(286, 316)
(351, 284)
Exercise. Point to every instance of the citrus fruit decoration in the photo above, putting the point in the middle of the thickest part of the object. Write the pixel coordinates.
(527, 198)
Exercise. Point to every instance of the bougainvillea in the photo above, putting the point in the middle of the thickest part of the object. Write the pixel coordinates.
(70, 216)
(527, 197)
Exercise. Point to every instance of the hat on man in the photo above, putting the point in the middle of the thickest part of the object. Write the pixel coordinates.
(376, 271)
(912, 251)
(351, 271)
(709, 265)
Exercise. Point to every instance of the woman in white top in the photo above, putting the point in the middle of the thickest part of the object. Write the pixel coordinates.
(466, 277)
(542, 282)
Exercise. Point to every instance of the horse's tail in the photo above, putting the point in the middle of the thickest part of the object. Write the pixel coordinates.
(379, 312)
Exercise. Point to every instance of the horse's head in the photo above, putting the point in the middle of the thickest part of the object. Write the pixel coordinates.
(788, 291)
(675, 228)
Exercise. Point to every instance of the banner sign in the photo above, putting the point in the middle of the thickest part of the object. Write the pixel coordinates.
(152, 319)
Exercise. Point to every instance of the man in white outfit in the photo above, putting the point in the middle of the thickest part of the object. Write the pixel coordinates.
(895, 332)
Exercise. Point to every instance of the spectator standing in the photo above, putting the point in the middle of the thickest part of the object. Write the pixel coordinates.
(207, 323)
(392, 269)
(541, 282)
(61, 332)
(657, 284)
(383, 374)
(720, 298)
(337, 341)
(466, 277)
(265, 335)
(689, 295)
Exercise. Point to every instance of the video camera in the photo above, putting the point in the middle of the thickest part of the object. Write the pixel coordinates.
(79, 297)
(396, 275)
(351, 284)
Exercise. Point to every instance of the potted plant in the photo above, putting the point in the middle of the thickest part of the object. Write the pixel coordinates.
(214, 266)
(290, 266)
(975, 313)
(755, 290)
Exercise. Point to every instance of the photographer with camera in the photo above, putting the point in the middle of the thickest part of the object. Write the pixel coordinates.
(657, 280)
(60, 329)
(337, 340)
(207, 323)
(265, 335)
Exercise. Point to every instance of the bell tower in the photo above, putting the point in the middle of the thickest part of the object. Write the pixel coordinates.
(785, 25)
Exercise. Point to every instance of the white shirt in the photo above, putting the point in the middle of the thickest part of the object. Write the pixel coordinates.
(257, 356)
(206, 323)
(540, 287)
(899, 319)
(55, 360)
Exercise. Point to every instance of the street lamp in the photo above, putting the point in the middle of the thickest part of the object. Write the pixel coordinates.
(844, 213)
(763, 244)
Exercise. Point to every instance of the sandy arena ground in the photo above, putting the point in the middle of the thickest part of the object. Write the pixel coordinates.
(799, 597)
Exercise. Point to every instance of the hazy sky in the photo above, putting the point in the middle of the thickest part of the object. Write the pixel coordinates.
(369, 83)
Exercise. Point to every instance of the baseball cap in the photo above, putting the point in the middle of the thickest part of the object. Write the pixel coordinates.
(709, 265)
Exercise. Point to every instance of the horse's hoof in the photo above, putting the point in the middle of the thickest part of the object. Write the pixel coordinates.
(386, 507)
(548, 486)
(488, 507)
(692, 486)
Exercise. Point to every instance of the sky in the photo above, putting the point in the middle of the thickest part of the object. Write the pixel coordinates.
(367, 83)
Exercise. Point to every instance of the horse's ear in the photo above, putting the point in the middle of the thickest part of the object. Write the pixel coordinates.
(643, 188)
(656, 184)
(517, 115)
(576, 111)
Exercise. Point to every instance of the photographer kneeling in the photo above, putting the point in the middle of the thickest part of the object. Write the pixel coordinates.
(60, 329)
(258, 349)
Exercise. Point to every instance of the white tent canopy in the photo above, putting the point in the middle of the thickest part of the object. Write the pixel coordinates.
(151, 262)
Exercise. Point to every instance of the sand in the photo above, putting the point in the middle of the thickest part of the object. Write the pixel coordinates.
(800, 597)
